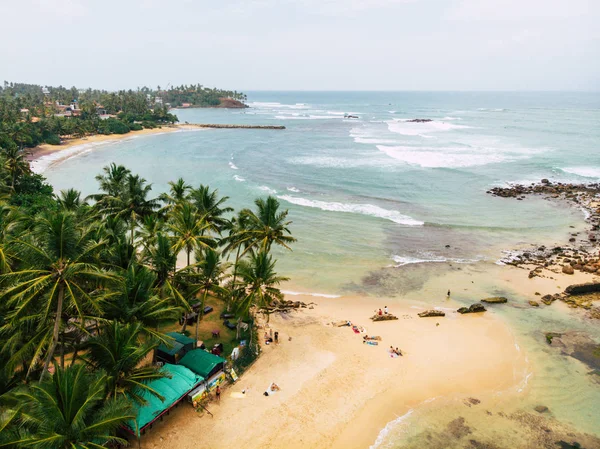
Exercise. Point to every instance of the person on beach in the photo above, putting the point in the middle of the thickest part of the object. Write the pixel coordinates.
(380, 312)
(276, 337)
(448, 293)
(218, 393)
(398, 352)
(385, 310)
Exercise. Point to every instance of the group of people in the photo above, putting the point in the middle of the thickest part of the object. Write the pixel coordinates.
(385, 311)
(271, 337)
(395, 351)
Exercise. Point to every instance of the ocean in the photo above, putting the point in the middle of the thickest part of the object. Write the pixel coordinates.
(381, 204)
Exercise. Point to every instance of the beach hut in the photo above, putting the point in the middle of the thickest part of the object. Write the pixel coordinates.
(171, 353)
(173, 389)
(202, 363)
(187, 342)
(206, 365)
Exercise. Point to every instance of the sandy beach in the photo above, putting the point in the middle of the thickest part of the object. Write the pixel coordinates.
(338, 392)
(45, 155)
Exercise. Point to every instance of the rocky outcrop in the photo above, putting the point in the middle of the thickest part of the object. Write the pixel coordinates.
(541, 408)
(581, 289)
(387, 317)
(419, 120)
(475, 308)
(230, 103)
(429, 313)
(495, 300)
(534, 303)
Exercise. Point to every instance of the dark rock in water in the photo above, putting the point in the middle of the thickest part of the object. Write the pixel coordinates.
(457, 428)
(475, 308)
(552, 335)
(419, 120)
(447, 246)
(534, 303)
(545, 181)
(577, 289)
(495, 300)
(541, 408)
(432, 312)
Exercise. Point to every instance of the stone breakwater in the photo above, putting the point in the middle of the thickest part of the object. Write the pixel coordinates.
(581, 253)
(229, 126)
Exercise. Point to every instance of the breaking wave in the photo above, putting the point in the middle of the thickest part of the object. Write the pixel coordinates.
(320, 295)
(586, 172)
(269, 190)
(233, 166)
(238, 178)
(363, 209)
(407, 128)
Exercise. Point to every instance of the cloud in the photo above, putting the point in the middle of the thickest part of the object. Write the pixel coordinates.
(509, 10)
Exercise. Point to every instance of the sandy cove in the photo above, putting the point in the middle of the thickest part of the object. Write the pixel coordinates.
(338, 392)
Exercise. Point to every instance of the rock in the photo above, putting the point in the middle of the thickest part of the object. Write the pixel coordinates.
(550, 336)
(590, 269)
(475, 308)
(592, 237)
(432, 312)
(572, 239)
(495, 300)
(538, 294)
(534, 303)
(545, 181)
(541, 408)
(568, 269)
(387, 317)
(577, 266)
(419, 120)
(576, 289)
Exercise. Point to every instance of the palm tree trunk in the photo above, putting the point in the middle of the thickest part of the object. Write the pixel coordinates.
(74, 356)
(57, 321)
(237, 259)
(188, 257)
(200, 313)
(62, 350)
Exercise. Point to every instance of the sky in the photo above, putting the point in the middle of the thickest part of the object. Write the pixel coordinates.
(304, 44)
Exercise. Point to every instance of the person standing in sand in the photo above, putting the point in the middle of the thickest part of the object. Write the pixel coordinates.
(385, 310)
(448, 293)
(218, 393)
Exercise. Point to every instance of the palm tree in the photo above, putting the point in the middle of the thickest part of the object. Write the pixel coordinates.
(189, 230)
(58, 272)
(209, 206)
(69, 199)
(211, 273)
(178, 192)
(131, 203)
(120, 352)
(260, 283)
(137, 301)
(266, 226)
(112, 182)
(15, 163)
(68, 411)
(237, 238)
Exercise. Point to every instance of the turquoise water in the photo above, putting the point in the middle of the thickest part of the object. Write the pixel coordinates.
(372, 197)
(377, 191)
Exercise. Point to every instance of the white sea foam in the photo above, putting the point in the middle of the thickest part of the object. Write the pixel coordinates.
(406, 260)
(407, 128)
(276, 105)
(452, 157)
(233, 166)
(339, 162)
(269, 190)
(320, 295)
(238, 178)
(586, 172)
(293, 189)
(364, 209)
(375, 141)
(388, 428)
(451, 118)
(392, 112)
(41, 164)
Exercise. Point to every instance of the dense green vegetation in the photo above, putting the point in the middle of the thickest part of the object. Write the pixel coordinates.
(86, 285)
(30, 116)
(197, 95)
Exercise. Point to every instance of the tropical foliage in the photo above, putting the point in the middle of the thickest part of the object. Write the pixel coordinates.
(87, 284)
